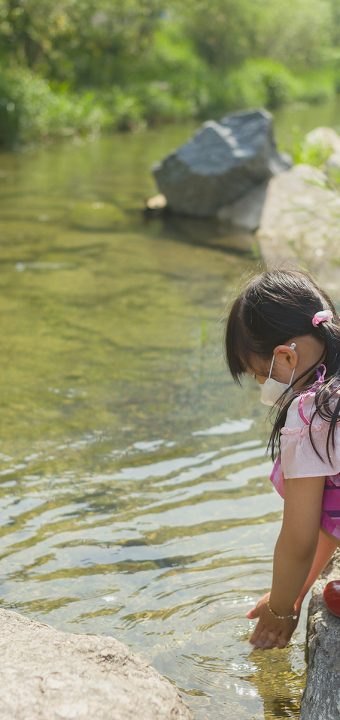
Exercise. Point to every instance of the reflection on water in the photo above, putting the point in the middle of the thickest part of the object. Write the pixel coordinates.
(165, 546)
(134, 487)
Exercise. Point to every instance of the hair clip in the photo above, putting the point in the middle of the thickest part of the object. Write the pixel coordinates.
(321, 317)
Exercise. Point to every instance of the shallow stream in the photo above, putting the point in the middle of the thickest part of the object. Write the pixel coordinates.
(134, 492)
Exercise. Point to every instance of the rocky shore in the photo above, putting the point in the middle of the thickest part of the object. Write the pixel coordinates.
(51, 675)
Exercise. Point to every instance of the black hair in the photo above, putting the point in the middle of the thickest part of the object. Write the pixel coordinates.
(275, 307)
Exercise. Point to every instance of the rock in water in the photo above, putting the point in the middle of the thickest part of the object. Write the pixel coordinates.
(220, 164)
(96, 217)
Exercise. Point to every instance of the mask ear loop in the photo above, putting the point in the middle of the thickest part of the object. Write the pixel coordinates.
(292, 347)
(271, 367)
(291, 377)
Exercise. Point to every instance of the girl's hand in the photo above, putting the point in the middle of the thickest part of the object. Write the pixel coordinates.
(255, 611)
(270, 632)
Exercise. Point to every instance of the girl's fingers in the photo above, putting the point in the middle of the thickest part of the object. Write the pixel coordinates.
(285, 638)
(265, 642)
(253, 613)
(271, 641)
(257, 609)
(261, 640)
(266, 638)
(257, 632)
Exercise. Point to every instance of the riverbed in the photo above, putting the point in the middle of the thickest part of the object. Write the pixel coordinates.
(134, 492)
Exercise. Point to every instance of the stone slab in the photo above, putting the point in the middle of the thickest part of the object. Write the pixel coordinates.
(46, 674)
(300, 223)
(321, 698)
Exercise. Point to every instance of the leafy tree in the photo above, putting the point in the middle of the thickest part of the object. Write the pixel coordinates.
(84, 41)
(226, 32)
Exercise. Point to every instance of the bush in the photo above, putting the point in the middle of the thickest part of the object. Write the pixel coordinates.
(256, 83)
(146, 103)
(30, 109)
(261, 82)
(161, 103)
(124, 108)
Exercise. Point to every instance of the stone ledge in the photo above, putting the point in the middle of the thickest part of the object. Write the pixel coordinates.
(321, 698)
(51, 675)
(299, 224)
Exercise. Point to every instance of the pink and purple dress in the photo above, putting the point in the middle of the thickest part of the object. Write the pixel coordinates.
(298, 458)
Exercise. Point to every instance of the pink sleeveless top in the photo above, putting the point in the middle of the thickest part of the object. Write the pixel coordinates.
(297, 457)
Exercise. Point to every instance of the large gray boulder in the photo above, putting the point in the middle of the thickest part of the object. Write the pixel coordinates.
(221, 163)
(50, 675)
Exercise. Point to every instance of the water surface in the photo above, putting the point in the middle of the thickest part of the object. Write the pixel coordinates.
(134, 492)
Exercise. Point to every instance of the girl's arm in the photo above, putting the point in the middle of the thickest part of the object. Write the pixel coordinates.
(293, 558)
(324, 551)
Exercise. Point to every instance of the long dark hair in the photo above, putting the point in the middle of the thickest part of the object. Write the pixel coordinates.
(274, 307)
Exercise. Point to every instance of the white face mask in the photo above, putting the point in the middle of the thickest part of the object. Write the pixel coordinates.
(271, 390)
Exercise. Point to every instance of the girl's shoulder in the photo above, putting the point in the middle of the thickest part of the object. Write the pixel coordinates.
(301, 413)
(301, 431)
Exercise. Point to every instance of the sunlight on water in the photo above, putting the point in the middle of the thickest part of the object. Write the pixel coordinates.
(134, 489)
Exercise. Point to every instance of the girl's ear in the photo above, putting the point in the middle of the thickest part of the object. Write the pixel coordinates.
(287, 353)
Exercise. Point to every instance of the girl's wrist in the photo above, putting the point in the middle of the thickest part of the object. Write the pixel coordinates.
(280, 608)
(291, 615)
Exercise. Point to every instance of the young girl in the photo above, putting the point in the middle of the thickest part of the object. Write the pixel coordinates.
(284, 331)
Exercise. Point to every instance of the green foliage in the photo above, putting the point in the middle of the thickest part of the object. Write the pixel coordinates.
(86, 42)
(222, 31)
(227, 32)
(162, 104)
(85, 65)
(316, 86)
(303, 150)
(29, 109)
(173, 59)
(316, 154)
(124, 108)
(146, 104)
(263, 82)
(259, 82)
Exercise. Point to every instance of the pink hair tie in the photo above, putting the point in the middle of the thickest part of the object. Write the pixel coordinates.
(321, 317)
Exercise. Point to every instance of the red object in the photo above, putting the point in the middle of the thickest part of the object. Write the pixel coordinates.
(331, 596)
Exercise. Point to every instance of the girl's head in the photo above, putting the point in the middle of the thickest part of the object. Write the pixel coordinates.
(271, 320)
